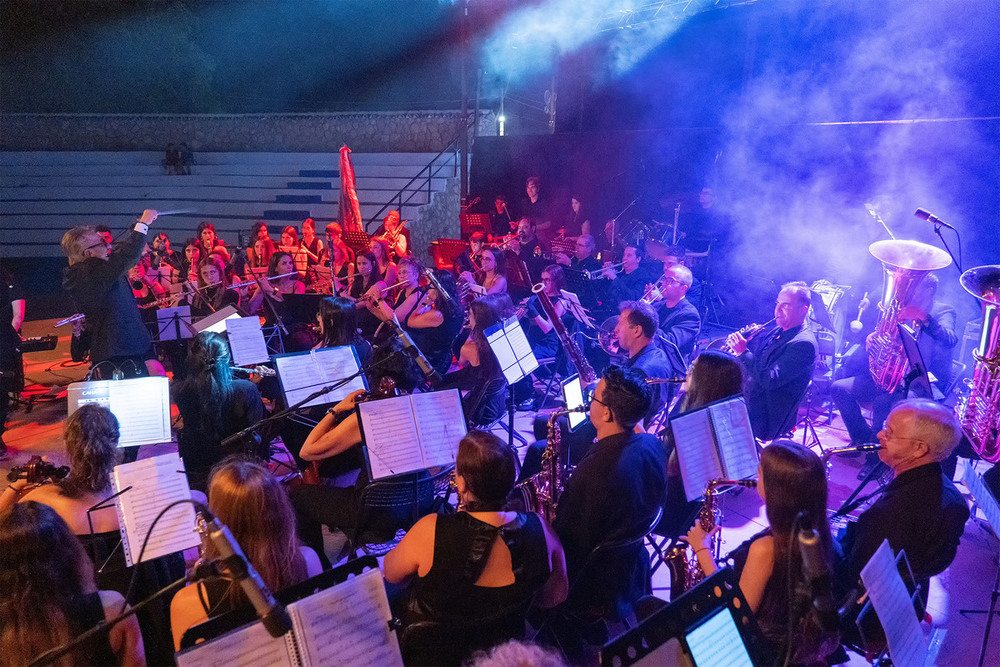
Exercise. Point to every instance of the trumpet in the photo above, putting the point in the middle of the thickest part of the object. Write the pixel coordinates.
(504, 242)
(599, 273)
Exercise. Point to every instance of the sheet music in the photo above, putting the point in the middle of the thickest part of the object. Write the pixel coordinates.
(987, 503)
(440, 425)
(390, 431)
(155, 483)
(505, 355)
(696, 452)
(737, 446)
(249, 645)
(478, 290)
(141, 405)
(303, 374)
(246, 341)
(346, 624)
(520, 345)
(573, 305)
(907, 644)
(717, 642)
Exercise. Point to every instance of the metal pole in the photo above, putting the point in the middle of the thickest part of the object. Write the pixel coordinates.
(464, 120)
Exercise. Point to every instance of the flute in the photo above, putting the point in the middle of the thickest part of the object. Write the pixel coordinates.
(247, 283)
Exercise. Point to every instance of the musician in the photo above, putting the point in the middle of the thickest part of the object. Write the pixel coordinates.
(396, 237)
(192, 257)
(213, 291)
(698, 227)
(386, 266)
(11, 362)
(263, 250)
(491, 272)
(544, 340)
(209, 243)
(478, 365)
(680, 321)
(614, 492)
(335, 236)
(49, 595)
(529, 249)
(635, 331)
(250, 501)
(577, 223)
(145, 290)
(275, 288)
(366, 287)
(536, 209)
(630, 283)
(936, 340)
(96, 280)
(779, 363)
(310, 251)
(501, 221)
(792, 482)
(479, 564)
(339, 434)
(921, 512)
(470, 258)
(163, 259)
(584, 256)
(213, 406)
(105, 233)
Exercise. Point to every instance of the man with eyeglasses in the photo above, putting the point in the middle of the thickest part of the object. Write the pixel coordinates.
(680, 322)
(614, 493)
(96, 279)
(920, 512)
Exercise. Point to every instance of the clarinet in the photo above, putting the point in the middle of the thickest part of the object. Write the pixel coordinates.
(580, 363)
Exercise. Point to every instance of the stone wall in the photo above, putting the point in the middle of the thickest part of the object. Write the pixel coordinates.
(367, 132)
(439, 219)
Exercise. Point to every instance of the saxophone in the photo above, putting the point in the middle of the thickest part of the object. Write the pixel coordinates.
(681, 560)
(540, 493)
(580, 363)
(979, 414)
(748, 332)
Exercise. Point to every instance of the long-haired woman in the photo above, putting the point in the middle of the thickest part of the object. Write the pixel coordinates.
(213, 406)
(385, 264)
(479, 371)
(245, 497)
(338, 326)
(370, 283)
(792, 483)
(491, 275)
(212, 293)
(192, 257)
(48, 595)
(209, 242)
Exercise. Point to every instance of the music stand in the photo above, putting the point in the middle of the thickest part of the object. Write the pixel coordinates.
(984, 498)
(578, 283)
(662, 638)
(358, 240)
(474, 222)
(917, 377)
(169, 323)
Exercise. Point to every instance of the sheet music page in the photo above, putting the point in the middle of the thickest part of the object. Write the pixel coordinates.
(717, 642)
(155, 483)
(337, 363)
(696, 452)
(440, 425)
(735, 437)
(249, 645)
(346, 624)
(987, 503)
(907, 644)
(142, 406)
(390, 432)
(478, 290)
(246, 341)
(505, 355)
(573, 305)
(522, 348)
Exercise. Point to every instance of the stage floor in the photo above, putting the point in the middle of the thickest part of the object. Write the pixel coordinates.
(965, 585)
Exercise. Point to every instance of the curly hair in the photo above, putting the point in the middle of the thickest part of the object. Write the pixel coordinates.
(91, 434)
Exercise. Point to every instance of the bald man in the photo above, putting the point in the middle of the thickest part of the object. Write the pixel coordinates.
(921, 512)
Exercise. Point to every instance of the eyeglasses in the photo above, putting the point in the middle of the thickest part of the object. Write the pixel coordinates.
(668, 281)
(102, 242)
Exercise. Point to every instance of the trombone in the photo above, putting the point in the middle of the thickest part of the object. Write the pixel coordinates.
(599, 273)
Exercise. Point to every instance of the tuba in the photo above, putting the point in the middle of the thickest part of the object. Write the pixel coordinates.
(681, 560)
(540, 493)
(580, 363)
(979, 414)
(905, 263)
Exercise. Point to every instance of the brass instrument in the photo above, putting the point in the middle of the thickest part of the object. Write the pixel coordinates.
(685, 571)
(540, 493)
(748, 332)
(979, 414)
(599, 273)
(870, 447)
(905, 264)
(606, 337)
(580, 363)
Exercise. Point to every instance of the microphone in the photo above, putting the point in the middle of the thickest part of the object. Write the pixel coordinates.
(410, 348)
(437, 284)
(269, 610)
(926, 215)
(817, 574)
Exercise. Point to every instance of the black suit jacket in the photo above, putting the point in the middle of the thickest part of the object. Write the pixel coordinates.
(779, 365)
(652, 361)
(614, 492)
(680, 327)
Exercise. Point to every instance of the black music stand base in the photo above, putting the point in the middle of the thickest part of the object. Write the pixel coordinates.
(990, 613)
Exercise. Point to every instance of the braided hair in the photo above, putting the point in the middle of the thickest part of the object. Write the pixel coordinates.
(209, 377)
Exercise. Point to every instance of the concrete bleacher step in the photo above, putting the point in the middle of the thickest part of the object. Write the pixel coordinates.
(319, 173)
(299, 199)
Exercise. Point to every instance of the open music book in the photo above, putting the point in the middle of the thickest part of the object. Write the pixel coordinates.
(347, 624)
(152, 485)
(141, 405)
(714, 442)
(408, 433)
(512, 349)
(246, 341)
(303, 373)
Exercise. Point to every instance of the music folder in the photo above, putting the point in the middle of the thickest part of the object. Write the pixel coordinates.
(141, 405)
(714, 442)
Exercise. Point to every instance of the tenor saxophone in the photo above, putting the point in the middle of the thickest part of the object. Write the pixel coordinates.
(540, 493)
(681, 560)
